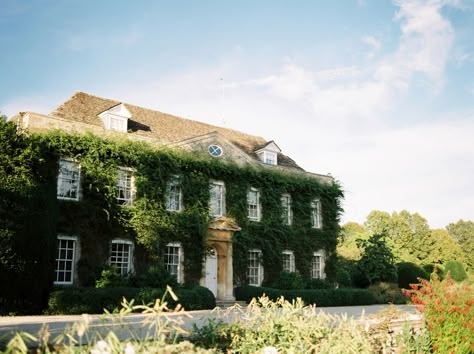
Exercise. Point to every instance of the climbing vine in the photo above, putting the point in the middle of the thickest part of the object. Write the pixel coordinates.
(97, 218)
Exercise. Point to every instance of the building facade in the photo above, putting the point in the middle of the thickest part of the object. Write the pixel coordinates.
(211, 205)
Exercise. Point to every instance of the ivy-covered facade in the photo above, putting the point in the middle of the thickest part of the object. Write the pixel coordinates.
(137, 188)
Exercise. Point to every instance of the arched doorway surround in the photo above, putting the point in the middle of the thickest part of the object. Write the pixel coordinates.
(219, 237)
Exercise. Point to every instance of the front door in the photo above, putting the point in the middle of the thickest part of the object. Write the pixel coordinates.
(211, 271)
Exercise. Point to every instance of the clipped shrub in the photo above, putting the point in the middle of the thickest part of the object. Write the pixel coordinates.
(318, 284)
(289, 281)
(408, 273)
(96, 300)
(320, 297)
(456, 270)
(385, 293)
(343, 278)
(434, 268)
(206, 298)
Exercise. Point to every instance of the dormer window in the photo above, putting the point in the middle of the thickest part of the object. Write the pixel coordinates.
(117, 123)
(270, 158)
(116, 118)
(269, 153)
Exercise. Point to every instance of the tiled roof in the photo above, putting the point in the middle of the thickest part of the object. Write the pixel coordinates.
(166, 128)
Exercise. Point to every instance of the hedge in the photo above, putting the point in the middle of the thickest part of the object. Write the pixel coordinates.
(320, 297)
(95, 300)
(409, 273)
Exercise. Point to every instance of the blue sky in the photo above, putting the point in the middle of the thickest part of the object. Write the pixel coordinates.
(378, 93)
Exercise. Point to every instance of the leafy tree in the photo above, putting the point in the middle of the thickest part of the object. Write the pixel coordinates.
(348, 235)
(446, 248)
(27, 221)
(408, 235)
(378, 222)
(463, 233)
(377, 262)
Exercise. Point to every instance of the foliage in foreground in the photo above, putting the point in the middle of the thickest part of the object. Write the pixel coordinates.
(448, 310)
(265, 326)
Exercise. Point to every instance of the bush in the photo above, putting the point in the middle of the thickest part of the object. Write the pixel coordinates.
(289, 327)
(289, 281)
(385, 293)
(110, 278)
(456, 270)
(434, 268)
(448, 311)
(343, 278)
(319, 284)
(155, 277)
(320, 297)
(95, 300)
(408, 273)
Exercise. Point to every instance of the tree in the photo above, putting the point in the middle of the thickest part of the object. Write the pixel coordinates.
(408, 235)
(463, 233)
(27, 222)
(348, 235)
(446, 248)
(377, 262)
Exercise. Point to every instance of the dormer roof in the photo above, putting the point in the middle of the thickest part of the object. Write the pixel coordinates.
(270, 146)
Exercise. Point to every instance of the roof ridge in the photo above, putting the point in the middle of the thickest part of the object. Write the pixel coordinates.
(157, 111)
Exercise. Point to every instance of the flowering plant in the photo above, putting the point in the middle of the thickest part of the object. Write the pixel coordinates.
(448, 311)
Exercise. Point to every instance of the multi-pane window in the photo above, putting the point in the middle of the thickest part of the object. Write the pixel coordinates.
(253, 204)
(69, 180)
(217, 201)
(270, 158)
(66, 257)
(288, 261)
(316, 216)
(121, 256)
(174, 197)
(255, 267)
(125, 186)
(286, 214)
(173, 259)
(117, 123)
(317, 265)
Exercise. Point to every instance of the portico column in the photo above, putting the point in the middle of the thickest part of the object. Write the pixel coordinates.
(229, 279)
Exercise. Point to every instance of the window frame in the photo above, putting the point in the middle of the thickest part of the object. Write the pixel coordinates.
(270, 158)
(258, 267)
(291, 260)
(62, 179)
(257, 205)
(179, 272)
(131, 248)
(174, 182)
(287, 217)
(322, 263)
(221, 198)
(58, 259)
(122, 120)
(316, 214)
(125, 171)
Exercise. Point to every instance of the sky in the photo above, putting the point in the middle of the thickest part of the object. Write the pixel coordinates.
(378, 93)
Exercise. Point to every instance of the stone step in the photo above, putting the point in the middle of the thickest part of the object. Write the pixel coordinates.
(224, 304)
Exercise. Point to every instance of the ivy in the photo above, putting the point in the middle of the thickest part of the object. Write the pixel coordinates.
(97, 218)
